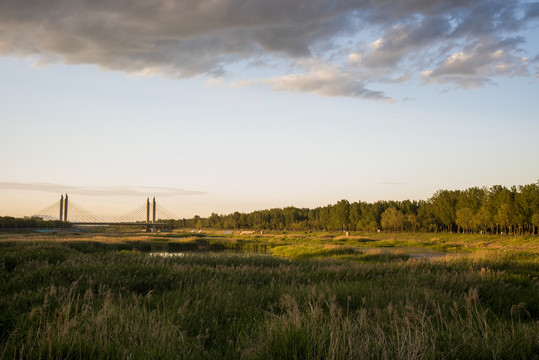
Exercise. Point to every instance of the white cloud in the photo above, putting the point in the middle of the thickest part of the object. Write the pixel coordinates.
(375, 45)
(327, 82)
(457, 60)
(354, 58)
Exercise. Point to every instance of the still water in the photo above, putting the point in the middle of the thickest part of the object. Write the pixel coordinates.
(412, 252)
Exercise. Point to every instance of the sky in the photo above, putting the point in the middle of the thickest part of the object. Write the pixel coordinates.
(239, 105)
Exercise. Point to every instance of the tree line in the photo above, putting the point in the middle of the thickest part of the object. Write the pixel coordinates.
(493, 210)
(9, 222)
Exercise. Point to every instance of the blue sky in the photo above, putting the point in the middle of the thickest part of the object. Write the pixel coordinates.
(251, 109)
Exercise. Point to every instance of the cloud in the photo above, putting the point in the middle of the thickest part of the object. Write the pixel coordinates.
(321, 80)
(370, 40)
(99, 190)
(354, 57)
(476, 65)
(324, 83)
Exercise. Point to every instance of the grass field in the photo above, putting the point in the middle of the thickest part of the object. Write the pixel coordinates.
(278, 296)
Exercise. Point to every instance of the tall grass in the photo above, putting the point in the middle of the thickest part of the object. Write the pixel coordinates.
(66, 300)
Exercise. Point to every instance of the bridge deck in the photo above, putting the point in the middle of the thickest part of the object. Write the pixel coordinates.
(118, 223)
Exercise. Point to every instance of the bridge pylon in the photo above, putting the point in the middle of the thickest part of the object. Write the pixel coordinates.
(61, 217)
(154, 215)
(148, 214)
(65, 209)
(150, 226)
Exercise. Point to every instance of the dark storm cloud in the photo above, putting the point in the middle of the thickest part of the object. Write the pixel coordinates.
(98, 190)
(206, 37)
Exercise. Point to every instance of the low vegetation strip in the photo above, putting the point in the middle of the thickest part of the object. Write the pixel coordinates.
(72, 299)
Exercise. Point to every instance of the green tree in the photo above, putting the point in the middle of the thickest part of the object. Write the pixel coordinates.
(528, 205)
(444, 207)
(277, 219)
(426, 218)
(393, 219)
(325, 217)
(314, 219)
(535, 222)
(411, 222)
(502, 217)
(489, 210)
(465, 219)
(355, 215)
(215, 221)
(341, 215)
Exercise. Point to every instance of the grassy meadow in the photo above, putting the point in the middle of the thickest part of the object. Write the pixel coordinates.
(268, 296)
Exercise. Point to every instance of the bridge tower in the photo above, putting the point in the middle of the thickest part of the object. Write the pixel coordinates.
(65, 209)
(147, 210)
(154, 209)
(61, 208)
(147, 214)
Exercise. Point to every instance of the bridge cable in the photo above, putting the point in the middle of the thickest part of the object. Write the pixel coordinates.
(138, 214)
(76, 213)
(164, 214)
(51, 212)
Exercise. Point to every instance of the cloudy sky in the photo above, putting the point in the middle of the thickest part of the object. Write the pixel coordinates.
(224, 105)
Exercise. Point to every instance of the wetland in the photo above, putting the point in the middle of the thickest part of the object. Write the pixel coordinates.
(272, 296)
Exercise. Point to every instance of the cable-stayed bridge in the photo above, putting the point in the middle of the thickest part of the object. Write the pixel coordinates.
(150, 215)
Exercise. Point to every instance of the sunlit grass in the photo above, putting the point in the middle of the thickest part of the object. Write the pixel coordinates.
(85, 299)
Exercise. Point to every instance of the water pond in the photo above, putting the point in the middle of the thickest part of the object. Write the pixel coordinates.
(412, 252)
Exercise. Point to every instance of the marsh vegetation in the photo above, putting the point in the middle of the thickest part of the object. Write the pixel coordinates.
(320, 296)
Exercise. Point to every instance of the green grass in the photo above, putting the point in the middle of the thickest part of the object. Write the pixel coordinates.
(458, 243)
(303, 252)
(109, 299)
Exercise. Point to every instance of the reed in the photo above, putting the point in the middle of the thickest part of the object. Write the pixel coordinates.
(69, 299)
